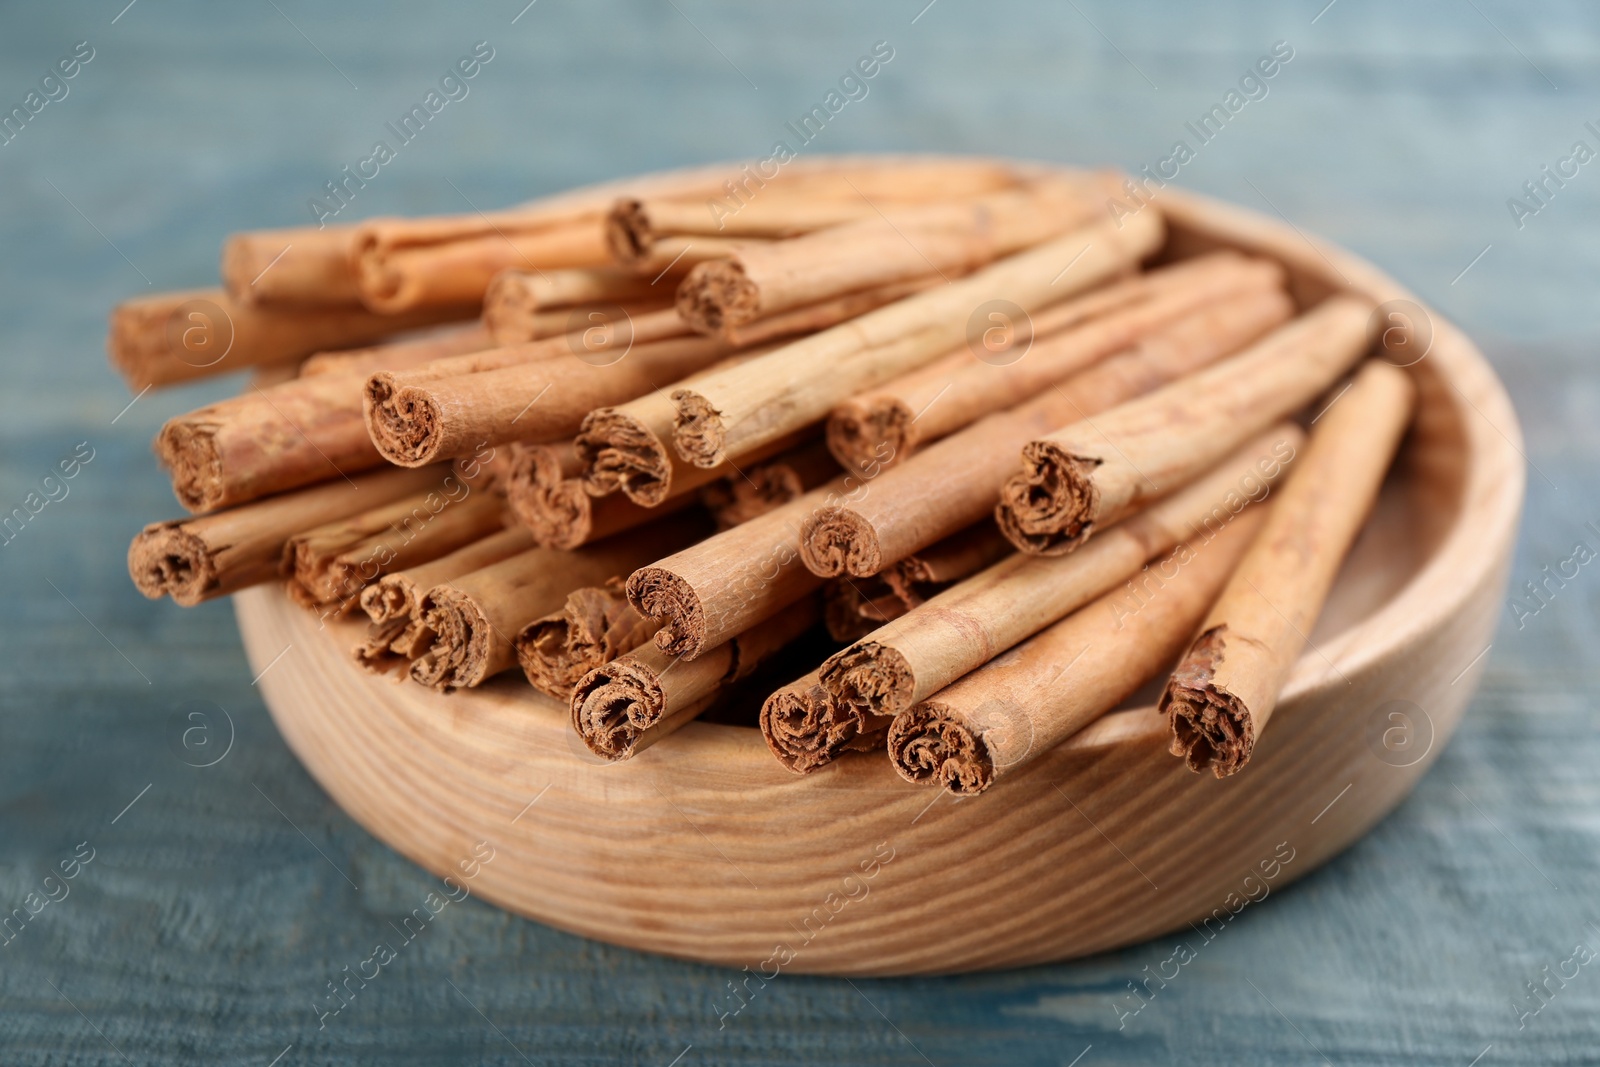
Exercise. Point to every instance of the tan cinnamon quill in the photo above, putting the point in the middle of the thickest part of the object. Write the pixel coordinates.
(955, 482)
(929, 647)
(1087, 474)
(192, 560)
(1018, 706)
(1224, 691)
(177, 337)
(732, 413)
(623, 707)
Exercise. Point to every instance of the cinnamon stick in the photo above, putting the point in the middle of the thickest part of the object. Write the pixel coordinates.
(1019, 706)
(973, 621)
(955, 482)
(630, 703)
(546, 496)
(887, 424)
(625, 447)
(854, 607)
(803, 730)
(301, 265)
(765, 486)
(413, 352)
(473, 618)
(729, 583)
(397, 634)
(523, 305)
(192, 560)
(177, 337)
(595, 626)
(404, 264)
(730, 414)
(953, 237)
(416, 417)
(1087, 474)
(329, 566)
(1223, 693)
(634, 226)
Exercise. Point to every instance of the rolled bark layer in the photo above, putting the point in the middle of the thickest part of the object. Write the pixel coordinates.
(634, 226)
(956, 482)
(524, 305)
(450, 260)
(621, 708)
(953, 237)
(594, 627)
(302, 265)
(975, 620)
(474, 618)
(177, 337)
(397, 634)
(193, 560)
(732, 413)
(397, 355)
(1020, 705)
(887, 424)
(1089, 473)
(730, 582)
(854, 607)
(1226, 687)
(552, 503)
(329, 566)
(417, 417)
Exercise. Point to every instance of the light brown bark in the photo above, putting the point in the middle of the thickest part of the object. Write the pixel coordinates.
(1018, 706)
(970, 623)
(955, 482)
(730, 414)
(593, 627)
(177, 337)
(1087, 474)
(624, 706)
(1223, 693)
(474, 618)
(195, 559)
(887, 424)
(303, 265)
(949, 238)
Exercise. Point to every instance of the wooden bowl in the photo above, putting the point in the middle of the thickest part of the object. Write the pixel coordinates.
(704, 847)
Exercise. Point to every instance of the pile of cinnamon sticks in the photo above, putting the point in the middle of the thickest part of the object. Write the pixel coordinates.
(1011, 459)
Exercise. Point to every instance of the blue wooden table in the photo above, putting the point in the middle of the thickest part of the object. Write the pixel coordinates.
(205, 917)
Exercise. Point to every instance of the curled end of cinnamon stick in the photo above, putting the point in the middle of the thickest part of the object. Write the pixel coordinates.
(928, 745)
(835, 541)
(376, 654)
(459, 655)
(671, 601)
(510, 308)
(718, 295)
(391, 597)
(697, 430)
(1047, 508)
(403, 422)
(596, 625)
(166, 560)
(379, 282)
(629, 235)
(802, 728)
(621, 453)
(1210, 726)
(613, 704)
(187, 447)
(870, 683)
(871, 432)
(556, 510)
